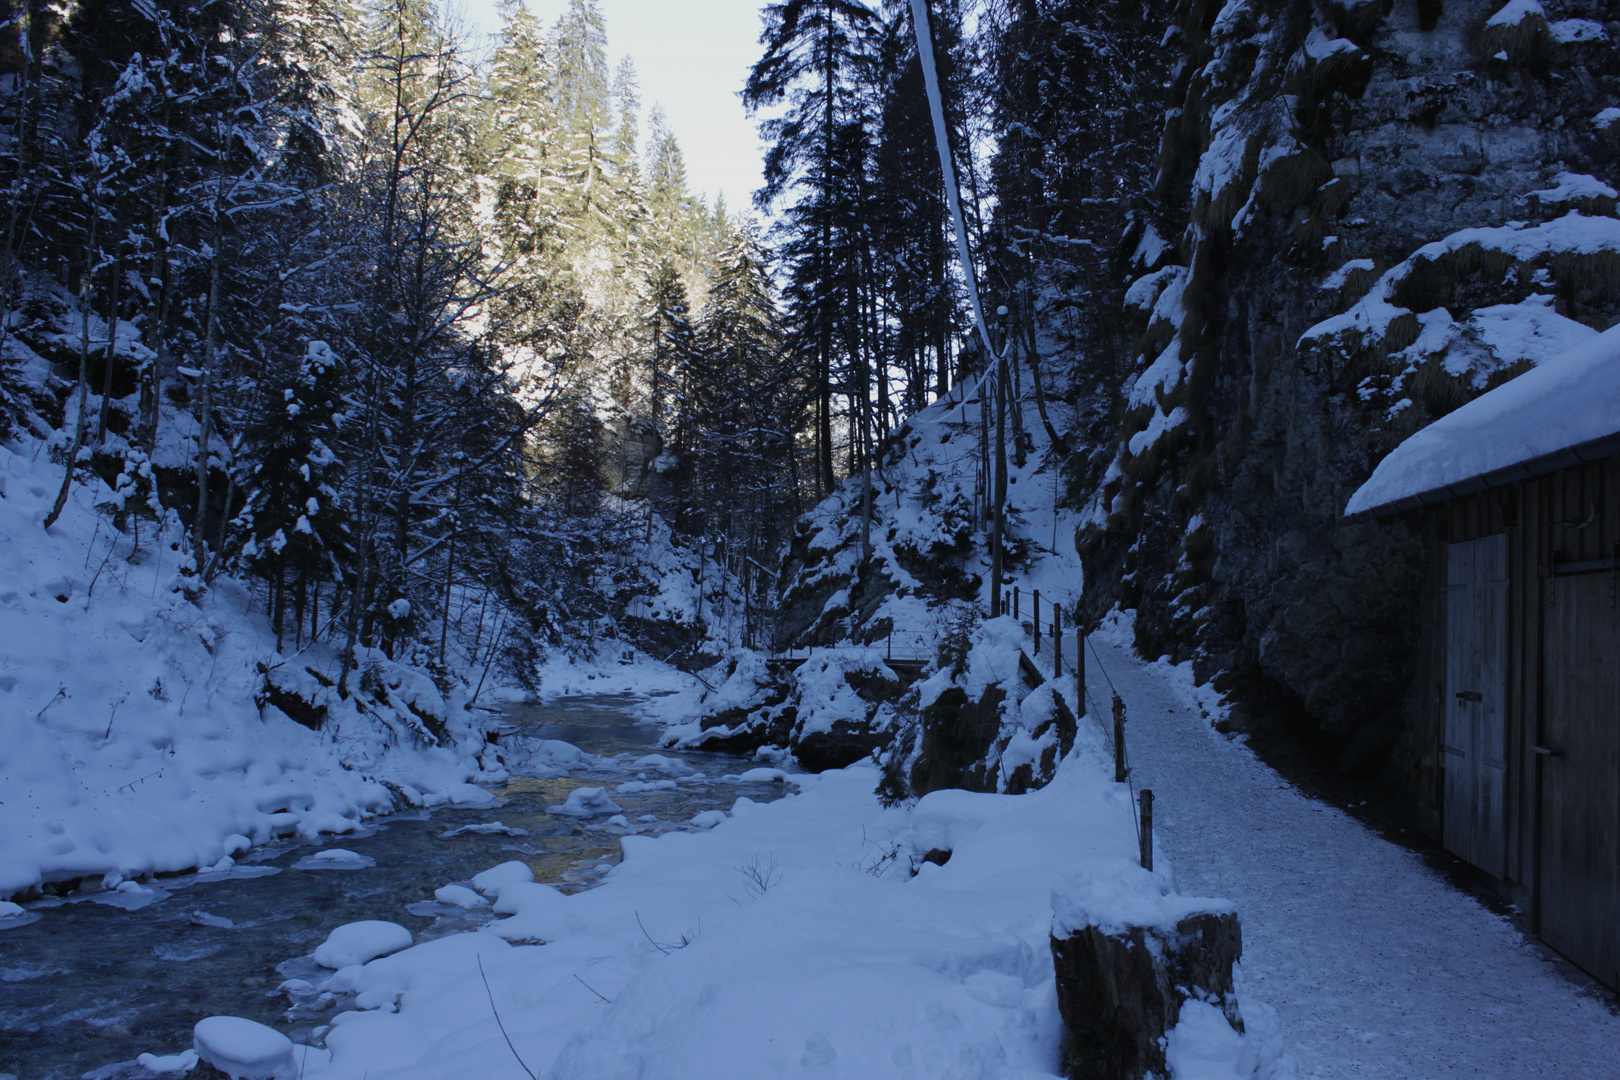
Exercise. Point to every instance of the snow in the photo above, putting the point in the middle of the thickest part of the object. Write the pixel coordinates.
(1376, 966)
(1335, 281)
(1161, 377)
(1605, 117)
(244, 1049)
(1222, 164)
(8, 910)
(1568, 186)
(130, 743)
(789, 936)
(460, 896)
(1124, 897)
(484, 828)
(1563, 403)
(1160, 423)
(1527, 332)
(1515, 12)
(170, 1063)
(1319, 46)
(335, 859)
(491, 881)
(1572, 234)
(640, 787)
(763, 775)
(1567, 31)
(708, 819)
(586, 802)
(358, 942)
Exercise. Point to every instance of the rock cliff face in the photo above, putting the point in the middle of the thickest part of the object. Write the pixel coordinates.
(1367, 213)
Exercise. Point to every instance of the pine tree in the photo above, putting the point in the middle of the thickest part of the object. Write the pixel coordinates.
(820, 58)
(293, 520)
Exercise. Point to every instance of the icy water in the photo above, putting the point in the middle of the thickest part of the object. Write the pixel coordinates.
(87, 987)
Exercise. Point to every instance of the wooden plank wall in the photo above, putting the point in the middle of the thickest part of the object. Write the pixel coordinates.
(1573, 515)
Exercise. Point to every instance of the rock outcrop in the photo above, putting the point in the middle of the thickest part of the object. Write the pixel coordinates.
(1367, 214)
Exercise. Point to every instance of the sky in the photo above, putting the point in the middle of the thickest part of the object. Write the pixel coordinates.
(692, 57)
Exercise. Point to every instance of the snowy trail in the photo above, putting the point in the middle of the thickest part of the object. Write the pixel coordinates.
(1378, 968)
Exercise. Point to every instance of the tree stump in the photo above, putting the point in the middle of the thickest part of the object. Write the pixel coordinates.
(1120, 992)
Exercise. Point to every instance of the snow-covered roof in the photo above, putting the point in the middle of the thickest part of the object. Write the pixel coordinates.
(1563, 412)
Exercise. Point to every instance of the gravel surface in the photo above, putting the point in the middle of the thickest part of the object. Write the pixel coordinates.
(1378, 967)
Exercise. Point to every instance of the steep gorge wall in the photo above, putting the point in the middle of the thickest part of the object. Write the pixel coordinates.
(1310, 152)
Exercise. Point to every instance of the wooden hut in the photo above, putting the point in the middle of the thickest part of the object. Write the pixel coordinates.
(1518, 717)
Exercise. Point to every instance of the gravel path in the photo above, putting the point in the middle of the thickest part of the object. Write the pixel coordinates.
(1378, 967)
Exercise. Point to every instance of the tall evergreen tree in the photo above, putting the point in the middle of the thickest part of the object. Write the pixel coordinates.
(820, 59)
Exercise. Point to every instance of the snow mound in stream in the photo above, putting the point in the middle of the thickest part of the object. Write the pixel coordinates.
(244, 1049)
(360, 942)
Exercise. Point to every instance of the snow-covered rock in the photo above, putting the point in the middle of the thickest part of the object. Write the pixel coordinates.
(244, 1049)
(490, 881)
(586, 802)
(1562, 404)
(335, 859)
(360, 942)
(460, 896)
(182, 1062)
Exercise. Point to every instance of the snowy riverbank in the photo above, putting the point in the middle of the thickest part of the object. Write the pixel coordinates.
(790, 938)
(130, 741)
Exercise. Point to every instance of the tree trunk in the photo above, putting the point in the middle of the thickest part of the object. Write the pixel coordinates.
(112, 352)
(999, 495)
(86, 295)
(205, 410)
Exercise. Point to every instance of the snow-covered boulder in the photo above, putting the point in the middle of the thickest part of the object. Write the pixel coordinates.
(163, 1064)
(358, 942)
(459, 896)
(335, 859)
(244, 1049)
(586, 802)
(490, 881)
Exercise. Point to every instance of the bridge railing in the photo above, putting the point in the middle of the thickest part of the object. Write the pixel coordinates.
(900, 645)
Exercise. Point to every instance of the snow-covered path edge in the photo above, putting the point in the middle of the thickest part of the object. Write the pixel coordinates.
(1377, 966)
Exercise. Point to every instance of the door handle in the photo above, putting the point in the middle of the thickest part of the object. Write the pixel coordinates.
(1470, 695)
(1547, 751)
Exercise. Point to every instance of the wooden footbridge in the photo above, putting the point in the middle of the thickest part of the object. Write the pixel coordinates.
(1050, 649)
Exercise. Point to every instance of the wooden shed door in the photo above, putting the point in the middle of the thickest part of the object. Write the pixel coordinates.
(1476, 692)
(1580, 774)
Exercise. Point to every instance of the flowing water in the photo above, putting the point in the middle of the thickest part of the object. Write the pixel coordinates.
(87, 986)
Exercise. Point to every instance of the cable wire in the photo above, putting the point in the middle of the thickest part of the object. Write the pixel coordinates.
(947, 169)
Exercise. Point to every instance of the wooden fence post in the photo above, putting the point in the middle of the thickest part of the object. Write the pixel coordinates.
(1057, 640)
(1015, 601)
(1080, 663)
(1119, 740)
(1035, 607)
(1145, 798)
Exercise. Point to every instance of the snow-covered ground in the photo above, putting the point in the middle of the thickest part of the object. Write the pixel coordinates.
(1377, 967)
(130, 741)
(785, 939)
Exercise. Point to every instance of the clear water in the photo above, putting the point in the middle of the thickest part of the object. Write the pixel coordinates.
(87, 987)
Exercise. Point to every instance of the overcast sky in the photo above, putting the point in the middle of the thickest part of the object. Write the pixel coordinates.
(692, 57)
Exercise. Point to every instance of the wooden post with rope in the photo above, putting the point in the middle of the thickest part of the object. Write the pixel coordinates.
(1120, 771)
(1057, 640)
(1145, 801)
(1035, 606)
